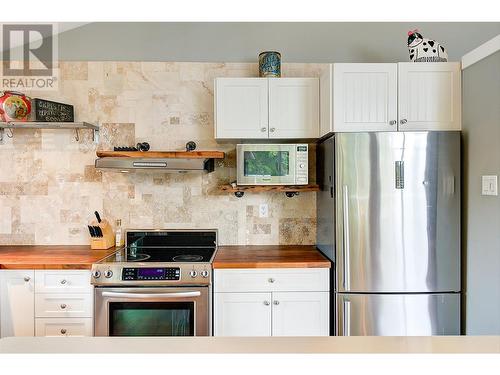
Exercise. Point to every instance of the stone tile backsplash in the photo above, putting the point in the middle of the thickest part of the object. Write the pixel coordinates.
(49, 187)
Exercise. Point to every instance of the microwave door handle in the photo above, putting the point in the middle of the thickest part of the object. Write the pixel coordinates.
(150, 295)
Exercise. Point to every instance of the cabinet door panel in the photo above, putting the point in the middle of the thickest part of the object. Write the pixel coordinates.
(293, 108)
(365, 97)
(242, 314)
(62, 281)
(17, 303)
(429, 96)
(49, 305)
(64, 327)
(301, 314)
(241, 108)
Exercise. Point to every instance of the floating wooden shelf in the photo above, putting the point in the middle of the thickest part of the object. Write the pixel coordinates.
(289, 190)
(163, 154)
(49, 125)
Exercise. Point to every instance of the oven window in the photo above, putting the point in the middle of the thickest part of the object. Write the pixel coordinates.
(266, 163)
(151, 319)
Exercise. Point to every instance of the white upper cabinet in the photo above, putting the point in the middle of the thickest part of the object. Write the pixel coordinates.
(364, 97)
(429, 96)
(241, 108)
(390, 97)
(293, 108)
(263, 108)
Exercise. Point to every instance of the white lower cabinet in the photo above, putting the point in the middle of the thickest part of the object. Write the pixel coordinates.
(300, 314)
(50, 327)
(242, 314)
(17, 303)
(270, 302)
(46, 303)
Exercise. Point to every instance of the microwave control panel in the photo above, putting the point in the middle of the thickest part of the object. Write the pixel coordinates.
(302, 164)
(151, 273)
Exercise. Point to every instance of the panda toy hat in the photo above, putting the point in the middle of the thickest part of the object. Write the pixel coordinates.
(425, 50)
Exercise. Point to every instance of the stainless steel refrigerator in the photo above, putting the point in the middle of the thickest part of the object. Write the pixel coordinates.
(389, 219)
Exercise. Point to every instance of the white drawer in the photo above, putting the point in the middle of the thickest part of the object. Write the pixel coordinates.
(64, 327)
(62, 281)
(272, 280)
(50, 305)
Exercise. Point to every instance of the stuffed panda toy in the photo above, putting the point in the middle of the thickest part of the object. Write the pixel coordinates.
(425, 50)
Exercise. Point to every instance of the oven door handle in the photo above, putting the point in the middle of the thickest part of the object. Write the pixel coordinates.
(150, 295)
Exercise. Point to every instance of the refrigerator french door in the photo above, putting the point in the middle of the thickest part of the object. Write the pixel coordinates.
(397, 232)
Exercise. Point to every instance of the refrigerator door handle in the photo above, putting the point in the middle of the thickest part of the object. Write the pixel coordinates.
(346, 311)
(345, 242)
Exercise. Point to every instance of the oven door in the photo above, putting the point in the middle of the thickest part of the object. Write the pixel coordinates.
(158, 311)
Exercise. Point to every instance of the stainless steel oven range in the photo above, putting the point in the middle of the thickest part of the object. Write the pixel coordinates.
(158, 285)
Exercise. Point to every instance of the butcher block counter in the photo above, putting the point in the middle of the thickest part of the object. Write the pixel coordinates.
(270, 256)
(50, 257)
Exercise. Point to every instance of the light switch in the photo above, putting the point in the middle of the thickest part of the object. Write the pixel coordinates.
(263, 210)
(490, 185)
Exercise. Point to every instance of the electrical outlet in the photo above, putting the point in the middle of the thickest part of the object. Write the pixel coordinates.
(490, 185)
(263, 210)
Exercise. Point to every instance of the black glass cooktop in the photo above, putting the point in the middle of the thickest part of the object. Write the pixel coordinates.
(166, 254)
(167, 246)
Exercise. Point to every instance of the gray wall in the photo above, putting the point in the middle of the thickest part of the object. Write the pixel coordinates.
(481, 214)
(242, 42)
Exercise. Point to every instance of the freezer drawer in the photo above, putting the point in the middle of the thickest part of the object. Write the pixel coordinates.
(398, 314)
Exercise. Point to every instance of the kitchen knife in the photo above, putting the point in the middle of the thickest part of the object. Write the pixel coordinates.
(97, 217)
(91, 231)
(99, 231)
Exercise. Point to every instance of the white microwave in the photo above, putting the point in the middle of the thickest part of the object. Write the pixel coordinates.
(272, 164)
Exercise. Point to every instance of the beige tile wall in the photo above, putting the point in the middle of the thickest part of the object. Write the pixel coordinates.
(49, 187)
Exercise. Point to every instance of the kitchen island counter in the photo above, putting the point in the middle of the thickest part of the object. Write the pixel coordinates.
(270, 256)
(353, 344)
(48, 257)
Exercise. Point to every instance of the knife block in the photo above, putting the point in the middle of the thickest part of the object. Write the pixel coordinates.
(108, 236)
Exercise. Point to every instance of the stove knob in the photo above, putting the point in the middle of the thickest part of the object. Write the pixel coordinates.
(204, 273)
(96, 274)
(193, 273)
(108, 273)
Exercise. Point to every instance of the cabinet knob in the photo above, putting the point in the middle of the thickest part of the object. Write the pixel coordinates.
(63, 281)
(276, 302)
(63, 305)
(403, 121)
(27, 278)
(63, 331)
(271, 280)
(266, 303)
(272, 130)
(263, 129)
(392, 122)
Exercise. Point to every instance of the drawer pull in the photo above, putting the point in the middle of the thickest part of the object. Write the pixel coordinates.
(276, 302)
(63, 281)
(27, 278)
(266, 303)
(63, 305)
(63, 331)
(271, 280)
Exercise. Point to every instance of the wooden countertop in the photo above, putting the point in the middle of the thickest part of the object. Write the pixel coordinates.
(50, 257)
(266, 256)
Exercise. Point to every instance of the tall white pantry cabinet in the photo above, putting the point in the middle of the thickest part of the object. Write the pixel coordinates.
(390, 97)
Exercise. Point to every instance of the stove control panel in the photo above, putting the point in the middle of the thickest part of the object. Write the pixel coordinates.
(151, 273)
